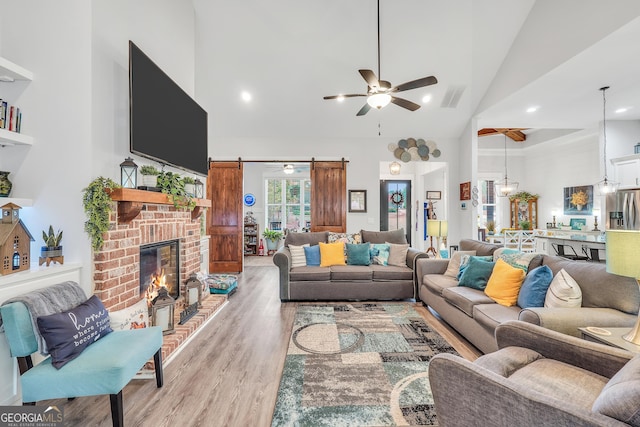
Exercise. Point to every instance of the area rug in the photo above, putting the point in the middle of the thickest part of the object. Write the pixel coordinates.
(358, 365)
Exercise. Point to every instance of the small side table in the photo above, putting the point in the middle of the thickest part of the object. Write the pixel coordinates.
(613, 340)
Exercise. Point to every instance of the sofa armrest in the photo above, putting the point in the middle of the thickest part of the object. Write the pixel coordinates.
(469, 395)
(599, 358)
(414, 255)
(282, 259)
(568, 320)
(430, 266)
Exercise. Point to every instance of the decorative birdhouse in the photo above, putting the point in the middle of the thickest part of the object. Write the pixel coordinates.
(15, 241)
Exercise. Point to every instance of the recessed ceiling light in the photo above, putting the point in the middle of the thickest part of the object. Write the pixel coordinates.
(340, 98)
(426, 98)
(622, 110)
(532, 109)
(246, 96)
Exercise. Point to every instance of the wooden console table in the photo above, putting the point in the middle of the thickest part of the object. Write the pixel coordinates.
(130, 203)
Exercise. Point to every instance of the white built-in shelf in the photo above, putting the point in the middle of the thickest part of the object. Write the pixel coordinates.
(23, 203)
(10, 71)
(14, 138)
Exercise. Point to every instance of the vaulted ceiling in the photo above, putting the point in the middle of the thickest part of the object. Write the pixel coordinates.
(504, 56)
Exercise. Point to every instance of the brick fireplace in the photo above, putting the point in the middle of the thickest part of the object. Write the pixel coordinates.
(117, 265)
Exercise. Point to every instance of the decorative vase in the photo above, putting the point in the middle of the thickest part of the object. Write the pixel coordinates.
(149, 180)
(272, 245)
(190, 189)
(5, 184)
(50, 251)
(579, 207)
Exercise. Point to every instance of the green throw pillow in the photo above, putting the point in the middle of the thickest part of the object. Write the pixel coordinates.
(477, 274)
(358, 254)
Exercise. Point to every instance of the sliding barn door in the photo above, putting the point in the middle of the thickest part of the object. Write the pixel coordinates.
(329, 196)
(224, 219)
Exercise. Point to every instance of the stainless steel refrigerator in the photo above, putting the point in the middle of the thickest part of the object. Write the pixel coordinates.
(623, 210)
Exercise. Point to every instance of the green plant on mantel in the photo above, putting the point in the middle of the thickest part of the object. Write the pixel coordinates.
(172, 184)
(188, 180)
(149, 170)
(523, 196)
(272, 234)
(51, 239)
(97, 205)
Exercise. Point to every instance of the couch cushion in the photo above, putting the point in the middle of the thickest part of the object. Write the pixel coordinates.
(506, 361)
(398, 254)
(491, 315)
(379, 253)
(464, 262)
(454, 264)
(331, 254)
(436, 283)
(620, 396)
(358, 254)
(351, 272)
(465, 298)
(563, 292)
(309, 274)
(522, 260)
(353, 238)
(300, 239)
(504, 284)
(561, 381)
(476, 274)
(386, 273)
(298, 258)
(395, 236)
(534, 288)
(480, 248)
(312, 255)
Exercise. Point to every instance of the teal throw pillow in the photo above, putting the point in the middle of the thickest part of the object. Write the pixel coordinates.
(379, 253)
(312, 255)
(464, 262)
(477, 274)
(358, 254)
(535, 286)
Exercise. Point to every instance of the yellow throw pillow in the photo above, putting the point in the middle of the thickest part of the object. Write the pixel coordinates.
(504, 284)
(331, 254)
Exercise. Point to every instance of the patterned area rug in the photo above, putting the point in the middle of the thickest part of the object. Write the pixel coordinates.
(358, 365)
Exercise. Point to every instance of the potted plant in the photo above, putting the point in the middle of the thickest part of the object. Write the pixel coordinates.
(491, 227)
(525, 225)
(172, 184)
(189, 185)
(149, 176)
(272, 237)
(98, 205)
(52, 242)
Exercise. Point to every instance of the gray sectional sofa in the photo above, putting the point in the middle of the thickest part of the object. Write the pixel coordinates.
(608, 300)
(346, 282)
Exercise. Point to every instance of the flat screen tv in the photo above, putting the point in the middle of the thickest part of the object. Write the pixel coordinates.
(166, 124)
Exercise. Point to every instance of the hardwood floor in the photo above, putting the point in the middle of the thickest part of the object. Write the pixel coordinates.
(229, 374)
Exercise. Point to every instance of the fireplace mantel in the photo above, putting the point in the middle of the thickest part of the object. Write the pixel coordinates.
(131, 201)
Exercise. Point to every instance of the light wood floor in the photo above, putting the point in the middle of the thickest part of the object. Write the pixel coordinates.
(229, 374)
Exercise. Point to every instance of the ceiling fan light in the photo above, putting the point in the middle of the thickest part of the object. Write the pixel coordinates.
(288, 169)
(379, 100)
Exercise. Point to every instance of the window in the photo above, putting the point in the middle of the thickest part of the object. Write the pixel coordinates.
(288, 204)
(487, 208)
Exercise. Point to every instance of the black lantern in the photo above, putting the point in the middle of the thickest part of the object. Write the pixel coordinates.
(199, 189)
(128, 173)
(162, 311)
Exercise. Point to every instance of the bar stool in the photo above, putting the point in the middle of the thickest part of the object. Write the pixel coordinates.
(560, 251)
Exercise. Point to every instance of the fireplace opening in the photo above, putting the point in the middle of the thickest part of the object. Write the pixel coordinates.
(160, 267)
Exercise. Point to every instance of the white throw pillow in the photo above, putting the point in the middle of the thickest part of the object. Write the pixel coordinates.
(454, 264)
(564, 291)
(297, 255)
(398, 254)
(133, 317)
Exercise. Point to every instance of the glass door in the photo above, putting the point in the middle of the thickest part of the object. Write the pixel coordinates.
(395, 206)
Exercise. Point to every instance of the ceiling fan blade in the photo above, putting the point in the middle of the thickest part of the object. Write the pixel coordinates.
(405, 103)
(364, 110)
(425, 81)
(351, 95)
(370, 77)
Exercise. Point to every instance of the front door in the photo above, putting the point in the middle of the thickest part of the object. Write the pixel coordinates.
(395, 206)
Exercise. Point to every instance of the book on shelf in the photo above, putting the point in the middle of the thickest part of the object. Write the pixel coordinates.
(3, 114)
(10, 117)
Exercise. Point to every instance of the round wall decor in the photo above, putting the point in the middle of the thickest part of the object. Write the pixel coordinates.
(410, 149)
(249, 199)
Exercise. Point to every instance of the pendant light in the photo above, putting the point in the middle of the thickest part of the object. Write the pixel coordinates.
(505, 187)
(605, 186)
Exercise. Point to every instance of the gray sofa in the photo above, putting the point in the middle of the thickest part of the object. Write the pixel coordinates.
(538, 378)
(346, 282)
(607, 299)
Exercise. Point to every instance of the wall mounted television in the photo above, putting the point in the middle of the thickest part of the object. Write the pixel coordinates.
(165, 123)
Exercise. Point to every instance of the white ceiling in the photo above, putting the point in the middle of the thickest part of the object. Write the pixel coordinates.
(290, 53)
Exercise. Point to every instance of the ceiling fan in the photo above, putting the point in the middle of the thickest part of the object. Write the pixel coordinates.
(380, 92)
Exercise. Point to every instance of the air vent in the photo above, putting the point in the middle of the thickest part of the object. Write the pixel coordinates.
(452, 96)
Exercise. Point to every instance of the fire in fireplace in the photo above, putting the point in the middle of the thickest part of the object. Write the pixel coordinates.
(160, 267)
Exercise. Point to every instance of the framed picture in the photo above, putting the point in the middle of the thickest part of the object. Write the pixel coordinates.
(357, 200)
(434, 195)
(465, 191)
(577, 223)
(578, 200)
